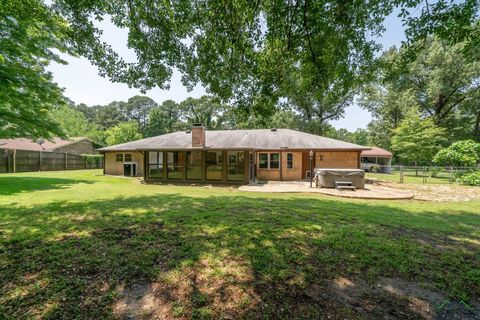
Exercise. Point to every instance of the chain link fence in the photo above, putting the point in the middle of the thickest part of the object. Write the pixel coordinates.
(421, 174)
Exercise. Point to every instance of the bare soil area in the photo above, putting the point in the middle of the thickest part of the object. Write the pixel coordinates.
(339, 298)
(435, 192)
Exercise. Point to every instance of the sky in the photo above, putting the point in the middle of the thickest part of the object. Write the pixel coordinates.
(82, 84)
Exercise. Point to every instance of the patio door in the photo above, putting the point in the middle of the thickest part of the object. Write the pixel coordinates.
(306, 164)
(251, 166)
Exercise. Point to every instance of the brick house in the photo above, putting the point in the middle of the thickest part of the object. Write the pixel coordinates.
(229, 156)
(78, 145)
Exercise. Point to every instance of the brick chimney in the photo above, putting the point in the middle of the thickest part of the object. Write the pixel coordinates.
(198, 135)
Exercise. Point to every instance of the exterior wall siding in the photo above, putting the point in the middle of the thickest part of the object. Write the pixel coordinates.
(294, 173)
(324, 159)
(337, 159)
(80, 147)
(283, 173)
(114, 167)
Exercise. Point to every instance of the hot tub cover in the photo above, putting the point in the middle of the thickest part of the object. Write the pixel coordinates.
(340, 172)
(326, 177)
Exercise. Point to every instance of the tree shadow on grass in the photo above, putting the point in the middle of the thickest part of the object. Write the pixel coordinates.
(11, 185)
(226, 256)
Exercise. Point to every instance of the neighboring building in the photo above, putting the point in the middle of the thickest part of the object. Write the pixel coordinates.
(78, 145)
(377, 160)
(229, 156)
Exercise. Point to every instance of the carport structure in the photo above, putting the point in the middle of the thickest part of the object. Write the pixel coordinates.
(377, 158)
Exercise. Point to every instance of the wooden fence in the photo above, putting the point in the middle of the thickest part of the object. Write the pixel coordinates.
(27, 161)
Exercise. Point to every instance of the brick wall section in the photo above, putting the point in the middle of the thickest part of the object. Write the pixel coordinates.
(80, 147)
(330, 159)
(198, 136)
(268, 174)
(287, 174)
(337, 159)
(114, 167)
(296, 172)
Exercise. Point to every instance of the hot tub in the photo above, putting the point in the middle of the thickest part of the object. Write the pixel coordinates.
(325, 178)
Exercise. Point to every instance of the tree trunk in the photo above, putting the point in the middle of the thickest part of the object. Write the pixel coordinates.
(476, 131)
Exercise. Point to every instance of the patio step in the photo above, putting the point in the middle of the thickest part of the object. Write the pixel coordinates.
(340, 188)
(344, 185)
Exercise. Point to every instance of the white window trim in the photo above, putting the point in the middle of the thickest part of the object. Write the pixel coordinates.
(268, 161)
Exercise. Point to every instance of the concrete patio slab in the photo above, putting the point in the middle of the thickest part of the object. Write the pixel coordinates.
(370, 191)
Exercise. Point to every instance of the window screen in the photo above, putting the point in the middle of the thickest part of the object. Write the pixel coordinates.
(263, 160)
(274, 160)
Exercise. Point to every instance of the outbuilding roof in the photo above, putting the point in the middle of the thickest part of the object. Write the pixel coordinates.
(30, 145)
(377, 152)
(258, 139)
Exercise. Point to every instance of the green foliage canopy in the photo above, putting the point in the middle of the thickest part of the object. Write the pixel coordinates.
(74, 123)
(123, 132)
(29, 33)
(461, 153)
(243, 50)
(417, 140)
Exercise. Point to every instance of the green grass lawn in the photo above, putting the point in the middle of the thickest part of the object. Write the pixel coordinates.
(81, 245)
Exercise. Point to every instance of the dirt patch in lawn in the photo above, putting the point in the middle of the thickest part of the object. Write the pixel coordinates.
(207, 290)
(229, 290)
(434, 192)
(394, 298)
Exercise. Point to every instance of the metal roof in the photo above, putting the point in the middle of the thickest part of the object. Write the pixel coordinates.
(258, 139)
(377, 152)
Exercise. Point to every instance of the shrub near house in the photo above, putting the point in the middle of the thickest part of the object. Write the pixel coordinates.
(464, 153)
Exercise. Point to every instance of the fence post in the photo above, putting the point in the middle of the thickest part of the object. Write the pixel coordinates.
(424, 175)
(40, 161)
(66, 161)
(14, 160)
(401, 174)
(450, 176)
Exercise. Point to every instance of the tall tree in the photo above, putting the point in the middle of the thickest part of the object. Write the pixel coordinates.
(122, 132)
(138, 108)
(165, 118)
(441, 80)
(417, 140)
(110, 115)
(206, 110)
(75, 124)
(242, 50)
(29, 32)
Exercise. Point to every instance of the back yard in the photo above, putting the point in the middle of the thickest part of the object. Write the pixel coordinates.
(82, 245)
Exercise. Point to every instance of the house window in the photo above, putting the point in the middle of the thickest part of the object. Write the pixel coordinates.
(120, 157)
(263, 160)
(289, 160)
(274, 160)
(128, 157)
(236, 165)
(174, 165)
(214, 165)
(155, 164)
(269, 160)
